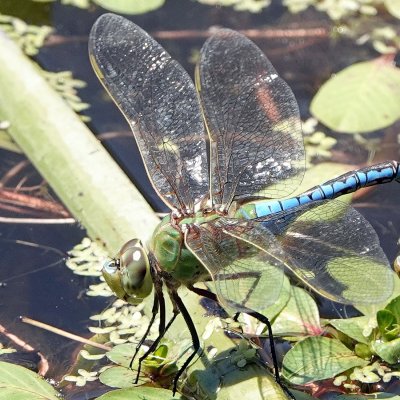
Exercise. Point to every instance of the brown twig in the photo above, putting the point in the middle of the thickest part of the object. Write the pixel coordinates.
(63, 333)
(13, 198)
(251, 33)
(13, 172)
(43, 365)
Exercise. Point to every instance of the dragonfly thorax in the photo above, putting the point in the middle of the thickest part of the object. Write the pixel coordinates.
(168, 248)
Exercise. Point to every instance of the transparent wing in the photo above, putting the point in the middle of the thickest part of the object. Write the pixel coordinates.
(333, 249)
(252, 118)
(159, 101)
(246, 277)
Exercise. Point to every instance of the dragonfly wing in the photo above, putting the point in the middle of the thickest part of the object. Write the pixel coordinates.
(333, 249)
(252, 119)
(245, 276)
(159, 101)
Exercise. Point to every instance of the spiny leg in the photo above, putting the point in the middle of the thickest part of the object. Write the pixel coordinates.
(161, 328)
(192, 329)
(262, 319)
(161, 334)
(154, 312)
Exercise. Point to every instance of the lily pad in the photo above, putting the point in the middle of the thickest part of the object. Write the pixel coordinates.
(118, 377)
(253, 386)
(299, 317)
(375, 396)
(122, 354)
(393, 6)
(370, 310)
(352, 327)
(132, 7)
(317, 358)
(20, 383)
(394, 308)
(274, 309)
(141, 393)
(388, 351)
(387, 325)
(361, 98)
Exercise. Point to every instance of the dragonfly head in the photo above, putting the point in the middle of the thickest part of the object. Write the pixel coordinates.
(129, 275)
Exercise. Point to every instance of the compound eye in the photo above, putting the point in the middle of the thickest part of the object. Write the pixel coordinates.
(134, 266)
(110, 266)
(112, 276)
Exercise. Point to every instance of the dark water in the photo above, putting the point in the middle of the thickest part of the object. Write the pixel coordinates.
(38, 283)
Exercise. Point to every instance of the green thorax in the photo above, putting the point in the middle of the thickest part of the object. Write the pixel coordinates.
(168, 247)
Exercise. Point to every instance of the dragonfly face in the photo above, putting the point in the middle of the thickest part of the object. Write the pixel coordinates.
(129, 274)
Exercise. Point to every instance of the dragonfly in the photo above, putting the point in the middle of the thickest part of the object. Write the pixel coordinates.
(224, 154)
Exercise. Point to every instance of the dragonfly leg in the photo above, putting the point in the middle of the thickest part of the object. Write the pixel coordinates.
(236, 317)
(160, 302)
(154, 345)
(154, 312)
(192, 329)
(262, 319)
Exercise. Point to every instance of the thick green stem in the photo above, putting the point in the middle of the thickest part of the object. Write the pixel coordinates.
(69, 157)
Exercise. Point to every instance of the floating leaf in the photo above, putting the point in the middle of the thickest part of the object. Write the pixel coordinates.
(388, 351)
(387, 324)
(393, 6)
(394, 308)
(140, 393)
(352, 327)
(361, 98)
(274, 309)
(251, 386)
(316, 358)
(375, 396)
(133, 7)
(299, 317)
(254, 6)
(122, 354)
(18, 382)
(118, 377)
(370, 310)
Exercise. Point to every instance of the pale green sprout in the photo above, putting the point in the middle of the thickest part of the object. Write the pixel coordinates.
(82, 377)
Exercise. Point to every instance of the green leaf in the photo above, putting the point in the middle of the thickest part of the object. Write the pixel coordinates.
(370, 310)
(253, 385)
(140, 393)
(387, 324)
(224, 379)
(122, 354)
(394, 308)
(388, 351)
(299, 317)
(352, 327)
(301, 395)
(274, 309)
(393, 7)
(19, 383)
(132, 7)
(361, 98)
(316, 358)
(118, 377)
(376, 396)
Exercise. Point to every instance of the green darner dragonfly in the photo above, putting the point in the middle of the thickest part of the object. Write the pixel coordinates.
(210, 154)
